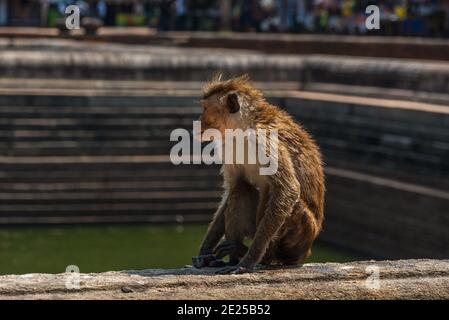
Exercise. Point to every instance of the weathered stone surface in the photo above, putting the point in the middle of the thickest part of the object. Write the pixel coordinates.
(402, 279)
(377, 46)
(68, 59)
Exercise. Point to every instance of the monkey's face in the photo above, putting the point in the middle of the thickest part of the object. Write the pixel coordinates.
(217, 113)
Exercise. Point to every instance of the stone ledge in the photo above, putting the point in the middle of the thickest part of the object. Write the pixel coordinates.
(401, 279)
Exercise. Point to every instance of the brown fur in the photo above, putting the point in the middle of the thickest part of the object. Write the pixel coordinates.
(281, 213)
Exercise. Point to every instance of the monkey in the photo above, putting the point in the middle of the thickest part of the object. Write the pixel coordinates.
(282, 213)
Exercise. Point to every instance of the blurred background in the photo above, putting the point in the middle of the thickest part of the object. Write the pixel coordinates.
(86, 117)
(403, 17)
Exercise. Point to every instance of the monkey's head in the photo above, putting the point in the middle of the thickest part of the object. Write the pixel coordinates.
(227, 103)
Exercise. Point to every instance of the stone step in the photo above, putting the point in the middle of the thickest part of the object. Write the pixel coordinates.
(96, 157)
(127, 86)
(115, 62)
(389, 217)
(400, 135)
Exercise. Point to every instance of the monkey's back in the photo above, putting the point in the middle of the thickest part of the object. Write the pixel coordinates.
(305, 156)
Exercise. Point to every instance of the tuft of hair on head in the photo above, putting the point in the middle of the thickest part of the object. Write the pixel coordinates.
(241, 84)
(217, 76)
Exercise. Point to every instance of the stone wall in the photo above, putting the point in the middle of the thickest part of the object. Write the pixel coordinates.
(404, 279)
(386, 175)
(99, 61)
(77, 146)
(391, 47)
(104, 158)
(299, 44)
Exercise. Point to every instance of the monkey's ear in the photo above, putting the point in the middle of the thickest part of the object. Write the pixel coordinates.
(233, 102)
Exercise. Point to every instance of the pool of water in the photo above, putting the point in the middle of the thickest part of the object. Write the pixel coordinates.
(98, 248)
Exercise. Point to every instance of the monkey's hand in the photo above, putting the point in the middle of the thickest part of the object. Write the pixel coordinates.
(228, 247)
(208, 260)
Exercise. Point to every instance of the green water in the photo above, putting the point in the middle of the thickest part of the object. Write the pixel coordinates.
(104, 248)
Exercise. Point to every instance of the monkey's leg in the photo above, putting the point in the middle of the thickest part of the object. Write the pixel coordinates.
(283, 197)
(261, 209)
(270, 254)
(239, 221)
(213, 235)
(235, 249)
(296, 245)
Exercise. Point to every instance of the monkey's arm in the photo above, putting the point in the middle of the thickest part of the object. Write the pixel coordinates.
(284, 192)
(216, 229)
(213, 235)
